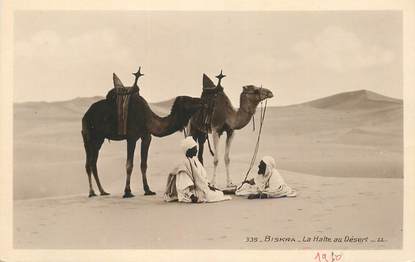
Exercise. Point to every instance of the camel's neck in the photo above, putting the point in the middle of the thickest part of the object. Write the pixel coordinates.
(244, 114)
(163, 126)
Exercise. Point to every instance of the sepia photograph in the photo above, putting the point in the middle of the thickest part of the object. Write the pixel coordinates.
(198, 130)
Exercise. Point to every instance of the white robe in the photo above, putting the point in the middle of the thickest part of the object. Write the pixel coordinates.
(191, 172)
(272, 184)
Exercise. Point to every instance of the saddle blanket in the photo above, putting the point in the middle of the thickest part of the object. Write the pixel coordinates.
(123, 97)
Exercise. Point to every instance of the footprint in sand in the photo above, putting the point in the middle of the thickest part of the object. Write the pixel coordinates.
(223, 237)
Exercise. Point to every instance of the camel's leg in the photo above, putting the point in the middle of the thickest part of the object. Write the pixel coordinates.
(145, 145)
(201, 139)
(96, 147)
(216, 138)
(88, 171)
(229, 137)
(87, 145)
(129, 166)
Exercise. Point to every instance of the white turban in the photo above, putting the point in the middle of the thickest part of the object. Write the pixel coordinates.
(270, 162)
(188, 143)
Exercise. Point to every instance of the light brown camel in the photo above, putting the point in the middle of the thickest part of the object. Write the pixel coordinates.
(100, 122)
(225, 118)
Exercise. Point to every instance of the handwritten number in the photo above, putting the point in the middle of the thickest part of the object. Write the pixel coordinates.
(323, 257)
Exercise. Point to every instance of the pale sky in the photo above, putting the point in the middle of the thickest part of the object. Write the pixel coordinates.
(300, 56)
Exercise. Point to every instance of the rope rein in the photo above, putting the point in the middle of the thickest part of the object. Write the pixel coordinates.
(253, 159)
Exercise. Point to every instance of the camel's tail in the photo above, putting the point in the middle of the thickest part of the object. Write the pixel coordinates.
(85, 128)
(86, 132)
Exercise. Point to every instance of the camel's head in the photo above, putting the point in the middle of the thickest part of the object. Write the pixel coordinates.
(184, 107)
(256, 93)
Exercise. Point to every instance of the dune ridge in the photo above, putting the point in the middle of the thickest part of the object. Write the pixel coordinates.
(355, 100)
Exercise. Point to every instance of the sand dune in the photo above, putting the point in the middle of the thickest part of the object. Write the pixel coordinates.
(356, 100)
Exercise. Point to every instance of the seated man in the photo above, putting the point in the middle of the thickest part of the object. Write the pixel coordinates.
(188, 181)
(268, 183)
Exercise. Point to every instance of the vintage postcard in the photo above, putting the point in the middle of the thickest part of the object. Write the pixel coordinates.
(203, 131)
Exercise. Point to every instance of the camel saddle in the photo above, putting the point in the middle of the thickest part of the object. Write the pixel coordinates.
(208, 97)
(120, 97)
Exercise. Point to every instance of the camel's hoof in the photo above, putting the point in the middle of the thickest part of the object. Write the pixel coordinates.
(105, 193)
(128, 195)
(92, 194)
(231, 185)
(149, 193)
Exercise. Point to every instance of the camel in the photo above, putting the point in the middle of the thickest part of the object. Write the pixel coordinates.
(100, 122)
(225, 118)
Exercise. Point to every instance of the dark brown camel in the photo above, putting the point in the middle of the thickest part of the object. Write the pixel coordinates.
(100, 122)
(225, 118)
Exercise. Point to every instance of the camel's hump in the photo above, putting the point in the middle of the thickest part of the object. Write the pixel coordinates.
(207, 82)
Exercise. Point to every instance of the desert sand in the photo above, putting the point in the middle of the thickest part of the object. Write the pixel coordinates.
(344, 154)
(331, 207)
